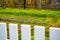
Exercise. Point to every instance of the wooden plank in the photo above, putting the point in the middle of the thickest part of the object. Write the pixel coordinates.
(3, 31)
(39, 33)
(25, 32)
(13, 30)
(54, 33)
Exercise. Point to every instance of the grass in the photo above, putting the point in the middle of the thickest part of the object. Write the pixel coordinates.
(33, 17)
(33, 13)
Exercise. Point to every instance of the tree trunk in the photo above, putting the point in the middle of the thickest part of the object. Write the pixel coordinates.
(24, 4)
(35, 3)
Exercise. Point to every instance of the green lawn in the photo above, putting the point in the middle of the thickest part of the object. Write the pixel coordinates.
(31, 16)
(31, 12)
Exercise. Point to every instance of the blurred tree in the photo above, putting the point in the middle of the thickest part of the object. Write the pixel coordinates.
(10, 3)
(19, 3)
(49, 1)
(0, 2)
(35, 3)
(24, 4)
(3, 4)
(30, 3)
(44, 4)
(41, 4)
